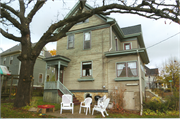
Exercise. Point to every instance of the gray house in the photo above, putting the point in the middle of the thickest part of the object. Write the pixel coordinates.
(9, 59)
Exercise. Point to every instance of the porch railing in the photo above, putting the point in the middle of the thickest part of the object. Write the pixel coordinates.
(63, 89)
(51, 85)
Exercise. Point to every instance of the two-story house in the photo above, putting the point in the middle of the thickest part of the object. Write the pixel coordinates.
(97, 57)
(10, 60)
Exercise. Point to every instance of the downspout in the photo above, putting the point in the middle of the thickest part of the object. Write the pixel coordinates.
(111, 35)
(140, 85)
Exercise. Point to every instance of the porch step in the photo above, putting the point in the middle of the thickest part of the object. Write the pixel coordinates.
(75, 100)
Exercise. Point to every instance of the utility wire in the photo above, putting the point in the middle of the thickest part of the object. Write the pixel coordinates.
(163, 40)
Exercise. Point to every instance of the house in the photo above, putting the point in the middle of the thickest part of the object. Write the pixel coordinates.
(98, 57)
(9, 59)
(151, 77)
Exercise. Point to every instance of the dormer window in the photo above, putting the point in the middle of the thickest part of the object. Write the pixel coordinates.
(42, 53)
(127, 46)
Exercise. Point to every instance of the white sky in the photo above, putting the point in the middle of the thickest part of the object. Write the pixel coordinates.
(153, 31)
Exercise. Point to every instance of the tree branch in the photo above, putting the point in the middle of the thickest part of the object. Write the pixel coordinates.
(5, 14)
(22, 11)
(10, 9)
(10, 36)
(37, 6)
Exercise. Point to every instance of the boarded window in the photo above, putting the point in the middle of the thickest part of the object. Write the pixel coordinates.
(71, 41)
(86, 68)
(87, 40)
(128, 69)
(40, 78)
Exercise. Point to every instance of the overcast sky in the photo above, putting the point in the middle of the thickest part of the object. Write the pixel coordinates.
(154, 31)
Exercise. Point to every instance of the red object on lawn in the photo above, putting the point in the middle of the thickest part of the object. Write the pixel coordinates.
(44, 107)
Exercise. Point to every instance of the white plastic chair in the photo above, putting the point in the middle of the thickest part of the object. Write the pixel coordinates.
(101, 101)
(102, 109)
(67, 103)
(86, 104)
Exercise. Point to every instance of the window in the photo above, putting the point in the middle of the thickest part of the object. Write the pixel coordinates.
(116, 44)
(42, 53)
(127, 46)
(86, 68)
(47, 78)
(71, 41)
(87, 20)
(127, 69)
(87, 40)
(40, 78)
(4, 61)
(11, 59)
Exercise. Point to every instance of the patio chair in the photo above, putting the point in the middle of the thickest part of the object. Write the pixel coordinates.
(102, 109)
(86, 104)
(67, 103)
(101, 101)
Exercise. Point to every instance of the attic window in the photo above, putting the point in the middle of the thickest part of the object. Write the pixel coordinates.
(86, 68)
(87, 40)
(127, 46)
(87, 20)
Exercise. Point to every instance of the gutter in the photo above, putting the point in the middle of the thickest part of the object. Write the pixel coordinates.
(111, 35)
(140, 85)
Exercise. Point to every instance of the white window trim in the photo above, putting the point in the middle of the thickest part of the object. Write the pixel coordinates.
(42, 77)
(130, 44)
(84, 39)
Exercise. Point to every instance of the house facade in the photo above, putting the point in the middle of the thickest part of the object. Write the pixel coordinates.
(98, 57)
(10, 60)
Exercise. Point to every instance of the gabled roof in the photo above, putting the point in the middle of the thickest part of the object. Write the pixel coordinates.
(17, 49)
(131, 29)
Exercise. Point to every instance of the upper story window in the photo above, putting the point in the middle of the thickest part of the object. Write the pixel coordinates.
(4, 61)
(10, 60)
(127, 46)
(70, 41)
(127, 69)
(116, 43)
(42, 53)
(87, 68)
(87, 40)
(40, 78)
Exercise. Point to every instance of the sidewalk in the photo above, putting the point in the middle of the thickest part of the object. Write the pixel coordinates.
(68, 113)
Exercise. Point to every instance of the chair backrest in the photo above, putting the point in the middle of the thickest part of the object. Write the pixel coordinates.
(67, 98)
(104, 98)
(88, 101)
(106, 102)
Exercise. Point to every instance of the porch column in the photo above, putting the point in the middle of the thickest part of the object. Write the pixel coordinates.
(59, 66)
(45, 77)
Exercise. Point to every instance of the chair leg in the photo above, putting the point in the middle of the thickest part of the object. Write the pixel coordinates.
(80, 110)
(61, 111)
(86, 110)
(106, 113)
(102, 113)
(93, 111)
(72, 110)
(90, 110)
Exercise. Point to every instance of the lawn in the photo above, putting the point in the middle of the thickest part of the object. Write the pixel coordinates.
(8, 111)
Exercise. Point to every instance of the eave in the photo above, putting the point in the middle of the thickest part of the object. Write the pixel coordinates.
(141, 51)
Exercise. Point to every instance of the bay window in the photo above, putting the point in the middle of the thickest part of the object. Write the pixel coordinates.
(127, 69)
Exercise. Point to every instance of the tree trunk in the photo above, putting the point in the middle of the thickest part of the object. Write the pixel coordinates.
(24, 84)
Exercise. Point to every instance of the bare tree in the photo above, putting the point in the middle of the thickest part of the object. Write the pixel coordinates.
(21, 20)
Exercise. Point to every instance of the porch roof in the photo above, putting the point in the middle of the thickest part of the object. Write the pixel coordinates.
(54, 60)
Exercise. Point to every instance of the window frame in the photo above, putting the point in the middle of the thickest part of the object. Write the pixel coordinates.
(47, 77)
(82, 68)
(116, 43)
(126, 69)
(4, 60)
(39, 77)
(127, 44)
(10, 59)
(68, 41)
(86, 41)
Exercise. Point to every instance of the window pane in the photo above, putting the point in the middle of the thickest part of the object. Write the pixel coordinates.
(127, 47)
(70, 41)
(121, 70)
(86, 44)
(132, 69)
(87, 69)
(87, 36)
